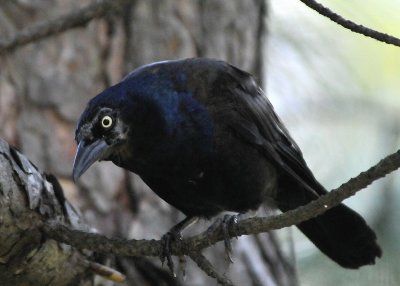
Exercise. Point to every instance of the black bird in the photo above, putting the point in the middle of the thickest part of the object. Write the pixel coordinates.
(204, 137)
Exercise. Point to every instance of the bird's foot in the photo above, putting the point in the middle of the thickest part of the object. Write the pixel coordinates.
(229, 225)
(166, 241)
(174, 234)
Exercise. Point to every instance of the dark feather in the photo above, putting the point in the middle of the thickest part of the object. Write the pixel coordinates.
(205, 138)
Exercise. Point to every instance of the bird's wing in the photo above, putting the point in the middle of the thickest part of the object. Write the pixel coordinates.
(259, 125)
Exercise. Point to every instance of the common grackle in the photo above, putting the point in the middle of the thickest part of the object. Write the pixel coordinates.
(204, 137)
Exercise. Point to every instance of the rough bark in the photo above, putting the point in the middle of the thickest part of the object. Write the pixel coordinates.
(45, 85)
(27, 198)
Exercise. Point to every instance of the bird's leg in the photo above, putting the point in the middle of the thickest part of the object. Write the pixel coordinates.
(228, 225)
(175, 233)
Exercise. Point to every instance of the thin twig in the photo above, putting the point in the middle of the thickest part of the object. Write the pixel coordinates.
(60, 24)
(123, 247)
(205, 265)
(357, 28)
(105, 271)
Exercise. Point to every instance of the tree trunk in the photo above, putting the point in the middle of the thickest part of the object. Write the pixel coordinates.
(27, 198)
(45, 86)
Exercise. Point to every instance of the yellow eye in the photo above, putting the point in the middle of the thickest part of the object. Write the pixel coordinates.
(106, 121)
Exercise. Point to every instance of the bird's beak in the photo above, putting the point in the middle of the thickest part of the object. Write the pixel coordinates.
(86, 155)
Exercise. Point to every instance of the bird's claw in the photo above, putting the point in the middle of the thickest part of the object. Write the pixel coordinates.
(166, 241)
(229, 224)
(182, 266)
(232, 223)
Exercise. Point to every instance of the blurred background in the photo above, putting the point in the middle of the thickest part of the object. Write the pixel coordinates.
(338, 94)
(336, 91)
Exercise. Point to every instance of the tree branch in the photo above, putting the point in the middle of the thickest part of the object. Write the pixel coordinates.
(123, 247)
(55, 26)
(360, 29)
(205, 265)
(27, 198)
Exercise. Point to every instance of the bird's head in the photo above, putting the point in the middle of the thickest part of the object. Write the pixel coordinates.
(100, 134)
(150, 112)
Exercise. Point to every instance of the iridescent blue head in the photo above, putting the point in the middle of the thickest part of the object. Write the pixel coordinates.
(151, 112)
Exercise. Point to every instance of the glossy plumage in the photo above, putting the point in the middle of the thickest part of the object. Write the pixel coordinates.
(205, 138)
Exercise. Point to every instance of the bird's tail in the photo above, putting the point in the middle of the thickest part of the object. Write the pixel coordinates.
(340, 233)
